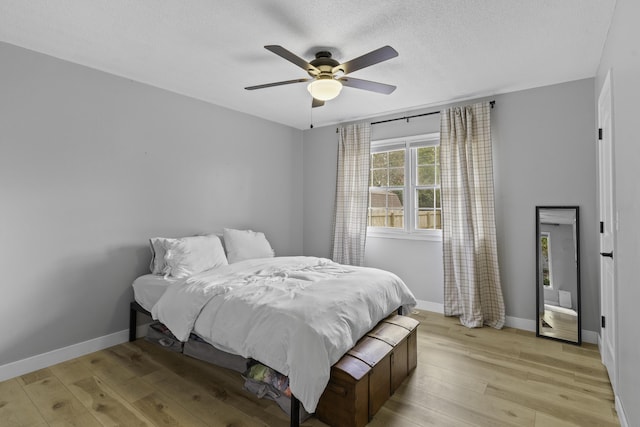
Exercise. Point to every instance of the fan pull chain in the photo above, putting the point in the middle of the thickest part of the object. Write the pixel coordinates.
(311, 117)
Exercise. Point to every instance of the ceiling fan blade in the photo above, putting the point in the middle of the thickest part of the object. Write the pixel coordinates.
(286, 82)
(293, 58)
(367, 85)
(382, 54)
(316, 103)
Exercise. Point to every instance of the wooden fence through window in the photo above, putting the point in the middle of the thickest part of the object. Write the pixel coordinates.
(394, 218)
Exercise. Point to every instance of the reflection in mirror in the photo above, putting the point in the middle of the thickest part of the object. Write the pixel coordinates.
(558, 273)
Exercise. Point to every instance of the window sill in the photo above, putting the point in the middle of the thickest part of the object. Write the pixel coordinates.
(377, 234)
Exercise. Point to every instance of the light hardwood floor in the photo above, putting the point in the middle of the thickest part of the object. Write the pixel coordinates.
(465, 377)
(559, 325)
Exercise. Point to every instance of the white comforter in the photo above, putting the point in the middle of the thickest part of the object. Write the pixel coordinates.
(298, 315)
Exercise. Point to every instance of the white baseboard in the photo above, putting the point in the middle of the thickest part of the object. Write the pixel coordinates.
(591, 337)
(519, 323)
(510, 321)
(44, 360)
(430, 306)
(621, 415)
(600, 349)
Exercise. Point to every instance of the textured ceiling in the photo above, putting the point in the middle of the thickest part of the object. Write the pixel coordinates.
(210, 50)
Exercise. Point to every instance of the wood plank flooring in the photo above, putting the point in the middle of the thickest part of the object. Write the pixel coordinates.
(559, 325)
(465, 377)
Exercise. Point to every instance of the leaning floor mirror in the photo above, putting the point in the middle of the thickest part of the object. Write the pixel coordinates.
(558, 273)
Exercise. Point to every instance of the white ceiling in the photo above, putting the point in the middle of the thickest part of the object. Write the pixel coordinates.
(211, 49)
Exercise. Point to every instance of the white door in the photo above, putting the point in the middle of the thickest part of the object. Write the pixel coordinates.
(607, 233)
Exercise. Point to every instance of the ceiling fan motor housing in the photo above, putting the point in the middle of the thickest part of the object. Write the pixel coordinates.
(325, 63)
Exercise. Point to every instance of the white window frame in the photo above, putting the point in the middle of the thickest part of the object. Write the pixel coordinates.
(409, 231)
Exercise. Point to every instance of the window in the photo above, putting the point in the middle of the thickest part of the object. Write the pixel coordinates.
(404, 187)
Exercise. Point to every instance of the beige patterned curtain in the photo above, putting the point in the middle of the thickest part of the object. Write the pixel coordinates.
(471, 276)
(352, 194)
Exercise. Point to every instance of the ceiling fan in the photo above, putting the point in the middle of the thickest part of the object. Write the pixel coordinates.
(327, 76)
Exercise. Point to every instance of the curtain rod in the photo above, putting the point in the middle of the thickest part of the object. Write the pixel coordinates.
(492, 103)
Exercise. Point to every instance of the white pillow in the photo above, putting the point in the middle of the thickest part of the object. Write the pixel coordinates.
(191, 255)
(246, 244)
(157, 246)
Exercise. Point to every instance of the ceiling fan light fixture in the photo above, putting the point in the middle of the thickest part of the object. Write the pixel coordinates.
(324, 89)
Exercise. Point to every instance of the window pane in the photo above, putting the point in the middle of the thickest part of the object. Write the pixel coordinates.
(377, 208)
(438, 198)
(379, 178)
(396, 199)
(395, 218)
(425, 219)
(421, 175)
(386, 208)
(378, 198)
(396, 158)
(396, 177)
(377, 217)
(429, 219)
(426, 155)
(426, 175)
(379, 160)
(425, 198)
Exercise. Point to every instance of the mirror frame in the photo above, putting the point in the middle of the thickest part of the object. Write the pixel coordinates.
(538, 284)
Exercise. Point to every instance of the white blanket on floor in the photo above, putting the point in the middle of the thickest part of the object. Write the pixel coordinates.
(298, 315)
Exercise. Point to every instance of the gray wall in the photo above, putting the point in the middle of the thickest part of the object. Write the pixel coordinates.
(622, 55)
(92, 165)
(320, 157)
(544, 154)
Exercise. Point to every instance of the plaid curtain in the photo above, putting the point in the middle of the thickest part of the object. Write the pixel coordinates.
(471, 276)
(352, 194)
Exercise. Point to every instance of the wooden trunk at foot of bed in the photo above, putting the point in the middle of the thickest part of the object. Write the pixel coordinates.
(364, 378)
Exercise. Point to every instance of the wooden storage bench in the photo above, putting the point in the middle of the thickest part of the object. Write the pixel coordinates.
(364, 378)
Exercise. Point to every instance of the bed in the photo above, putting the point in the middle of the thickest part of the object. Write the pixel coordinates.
(297, 315)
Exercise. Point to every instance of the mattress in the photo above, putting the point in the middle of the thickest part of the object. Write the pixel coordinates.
(148, 289)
